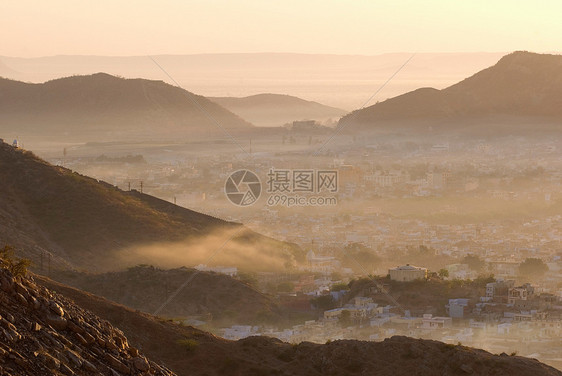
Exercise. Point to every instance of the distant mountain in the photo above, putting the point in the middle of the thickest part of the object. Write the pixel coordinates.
(521, 85)
(84, 223)
(343, 81)
(188, 351)
(101, 106)
(276, 109)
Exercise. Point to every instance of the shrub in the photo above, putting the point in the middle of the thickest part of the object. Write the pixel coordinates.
(188, 344)
(18, 267)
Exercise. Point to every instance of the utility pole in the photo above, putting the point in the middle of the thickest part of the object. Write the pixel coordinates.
(129, 186)
(175, 200)
(141, 186)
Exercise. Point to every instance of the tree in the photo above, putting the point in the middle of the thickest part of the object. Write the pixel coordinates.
(533, 268)
(443, 273)
(286, 287)
(340, 287)
(474, 262)
(249, 278)
(359, 257)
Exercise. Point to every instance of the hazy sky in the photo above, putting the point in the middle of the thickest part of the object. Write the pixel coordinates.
(119, 27)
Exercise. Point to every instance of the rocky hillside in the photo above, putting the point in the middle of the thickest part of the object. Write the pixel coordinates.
(53, 215)
(521, 85)
(270, 110)
(188, 351)
(105, 107)
(43, 333)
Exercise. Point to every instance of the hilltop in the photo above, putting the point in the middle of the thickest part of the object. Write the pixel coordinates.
(189, 351)
(216, 297)
(102, 106)
(53, 215)
(269, 110)
(522, 86)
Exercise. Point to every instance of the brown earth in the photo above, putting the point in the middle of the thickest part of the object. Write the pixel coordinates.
(189, 351)
(53, 215)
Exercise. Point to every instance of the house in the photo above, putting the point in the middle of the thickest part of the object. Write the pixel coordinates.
(457, 307)
(437, 322)
(237, 332)
(230, 271)
(407, 273)
(321, 264)
(498, 291)
(521, 293)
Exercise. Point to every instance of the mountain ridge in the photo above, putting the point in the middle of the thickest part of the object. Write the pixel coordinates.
(103, 106)
(268, 109)
(521, 84)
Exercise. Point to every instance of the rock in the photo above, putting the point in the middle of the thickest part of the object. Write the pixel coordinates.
(133, 352)
(120, 342)
(81, 339)
(20, 289)
(50, 362)
(57, 322)
(10, 318)
(141, 364)
(117, 364)
(35, 327)
(89, 366)
(7, 284)
(88, 337)
(21, 299)
(66, 370)
(56, 308)
(74, 358)
(466, 368)
(7, 324)
(110, 345)
(74, 327)
(34, 303)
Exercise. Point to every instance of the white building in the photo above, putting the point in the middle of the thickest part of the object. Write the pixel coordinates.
(407, 273)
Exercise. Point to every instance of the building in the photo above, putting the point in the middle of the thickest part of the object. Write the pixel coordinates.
(407, 273)
(430, 322)
(231, 271)
(520, 293)
(456, 307)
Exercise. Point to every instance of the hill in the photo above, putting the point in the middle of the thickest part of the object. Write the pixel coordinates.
(522, 85)
(43, 333)
(101, 106)
(55, 216)
(269, 110)
(343, 81)
(218, 298)
(188, 351)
